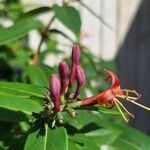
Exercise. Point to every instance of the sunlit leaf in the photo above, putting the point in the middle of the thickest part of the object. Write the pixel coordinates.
(112, 111)
(39, 75)
(56, 31)
(48, 139)
(19, 100)
(21, 89)
(91, 126)
(17, 107)
(70, 17)
(36, 11)
(18, 30)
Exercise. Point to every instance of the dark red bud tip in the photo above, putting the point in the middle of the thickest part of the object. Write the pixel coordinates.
(75, 54)
(72, 75)
(64, 73)
(55, 91)
(75, 62)
(80, 80)
(63, 69)
(80, 76)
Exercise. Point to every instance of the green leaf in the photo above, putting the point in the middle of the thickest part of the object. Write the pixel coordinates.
(18, 30)
(103, 132)
(112, 65)
(73, 146)
(35, 12)
(39, 75)
(113, 111)
(70, 17)
(21, 90)
(82, 119)
(50, 139)
(133, 136)
(19, 100)
(20, 105)
(2, 147)
(11, 115)
(117, 144)
(98, 137)
(56, 31)
(85, 142)
(97, 128)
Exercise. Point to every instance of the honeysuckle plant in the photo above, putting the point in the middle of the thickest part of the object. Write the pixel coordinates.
(63, 98)
(45, 106)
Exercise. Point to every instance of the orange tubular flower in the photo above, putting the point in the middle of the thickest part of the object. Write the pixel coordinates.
(114, 95)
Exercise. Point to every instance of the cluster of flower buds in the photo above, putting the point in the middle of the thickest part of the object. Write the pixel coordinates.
(60, 89)
(60, 86)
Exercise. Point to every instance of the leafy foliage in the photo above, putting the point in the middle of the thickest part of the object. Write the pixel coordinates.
(18, 30)
(70, 17)
(24, 87)
(49, 139)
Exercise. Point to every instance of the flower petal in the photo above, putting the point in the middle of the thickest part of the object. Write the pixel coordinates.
(105, 97)
(80, 81)
(75, 54)
(75, 63)
(64, 74)
(55, 91)
(115, 80)
(109, 105)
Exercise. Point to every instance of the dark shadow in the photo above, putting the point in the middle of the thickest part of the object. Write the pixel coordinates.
(39, 125)
(133, 62)
(11, 139)
(6, 71)
(71, 130)
(89, 127)
(12, 116)
(91, 108)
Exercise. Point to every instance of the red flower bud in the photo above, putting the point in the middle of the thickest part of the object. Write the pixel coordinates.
(75, 62)
(63, 73)
(55, 91)
(76, 54)
(80, 80)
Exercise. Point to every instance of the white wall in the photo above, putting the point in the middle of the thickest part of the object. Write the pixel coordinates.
(102, 41)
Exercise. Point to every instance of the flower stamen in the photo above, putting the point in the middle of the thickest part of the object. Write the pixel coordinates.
(122, 114)
(147, 108)
(135, 94)
(127, 97)
(131, 115)
(133, 98)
